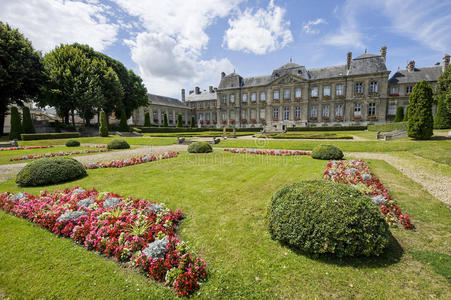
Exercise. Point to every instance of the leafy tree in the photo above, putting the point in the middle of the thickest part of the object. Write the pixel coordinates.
(165, 120)
(103, 128)
(442, 118)
(146, 119)
(406, 115)
(399, 114)
(193, 122)
(123, 126)
(444, 87)
(20, 70)
(27, 123)
(179, 120)
(420, 122)
(16, 127)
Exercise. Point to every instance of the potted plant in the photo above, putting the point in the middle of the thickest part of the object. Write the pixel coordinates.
(262, 120)
(340, 96)
(275, 119)
(276, 100)
(356, 117)
(372, 117)
(253, 121)
(232, 121)
(339, 118)
(297, 119)
(313, 118)
(201, 122)
(224, 121)
(207, 122)
(326, 97)
(297, 99)
(325, 118)
(394, 94)
(243, 121)
(215, 122)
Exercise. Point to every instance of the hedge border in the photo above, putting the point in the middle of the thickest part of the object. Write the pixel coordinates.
(48, 136)
(186, 129)
(388, 127)
(329, 128)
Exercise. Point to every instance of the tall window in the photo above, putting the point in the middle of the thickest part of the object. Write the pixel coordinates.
(254, 97)
(358, 88)
(339, 110)
(155, 115)
(373, 87)
(391, 110)
(315, 92)
(243, 114)
(325, 112)
(394, 90)
(207, 117)
(200, 117)
(244, 97)
(326, 91)
(275, 113)
(232, 115)
(262, 96)
(276, 95)
(339, 90)
(371, 109)
(262, 113)
(253, 114)
(297, 112)
(409, 89)
(232, 98)
(298, 93)
(224, 99)
(357, 109)
(313, 112)
(223, 116)
(170, 116)
(286, 94)
(286, 113)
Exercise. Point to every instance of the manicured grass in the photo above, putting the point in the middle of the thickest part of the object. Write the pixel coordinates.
(224, 197)
(105, 140)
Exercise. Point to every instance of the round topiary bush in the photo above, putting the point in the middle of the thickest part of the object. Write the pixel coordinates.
(200, 147)
(327, 152)
(118, 144)
(47, 171)
(320, 216)
(72, 143)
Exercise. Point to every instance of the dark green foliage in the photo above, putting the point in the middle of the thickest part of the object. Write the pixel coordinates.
(193, 122)
(322, 217)
(442, 118)
(421, 123)
(48, 136)
(444, 87)
(103, 128)
(146, 119)
(20, 70)
(16, 126)
(195, 129)
(123, 126)
(165, 120)
(328, 128)
(200, 147)
(72, 143)
(57, 126)
(179, 121)
(388, 127)
(399, 114)
(118, 144)
(48, 171)
(27, 123)
(327, 152)
(406, 115)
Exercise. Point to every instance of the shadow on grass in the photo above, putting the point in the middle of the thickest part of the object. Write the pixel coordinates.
(440, 138)
(391, 255)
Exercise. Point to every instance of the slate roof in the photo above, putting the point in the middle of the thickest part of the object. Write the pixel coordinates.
(257, 80)
(203, 96)
(419, 74)
(328, 72)
(367, 64)
(166, 101)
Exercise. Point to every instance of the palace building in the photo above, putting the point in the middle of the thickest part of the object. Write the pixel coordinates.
(359, 92)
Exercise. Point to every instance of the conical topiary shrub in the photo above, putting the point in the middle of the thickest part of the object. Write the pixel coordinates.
(123, 126)
(103, 128)
(16, 126)
(146, 119)
(27, 122)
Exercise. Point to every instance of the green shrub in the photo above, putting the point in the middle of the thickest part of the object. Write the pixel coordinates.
(327, 152)
(27, 123)
(399, 114)
(421, 123)
(165, 120)
(200, 147)
(320, 216)
(179, 121)
(49, 136)
(388, 127)
(123, 126)
(16, 126)
(146, 119)
(72, 143)
(47, 171)
(118, 144)
(103, 128)
(193, 122)
(328, 128)
(442, 118)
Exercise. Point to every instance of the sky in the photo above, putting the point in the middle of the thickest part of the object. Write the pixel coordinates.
(175, 44)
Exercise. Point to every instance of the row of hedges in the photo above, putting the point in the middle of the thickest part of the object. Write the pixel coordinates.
(388, 127)
(186, 129)
(48, 136)
(329, 128)
(312, 136)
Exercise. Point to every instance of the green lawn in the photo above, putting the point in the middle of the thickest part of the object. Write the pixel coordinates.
(105, 140)
(224, 197)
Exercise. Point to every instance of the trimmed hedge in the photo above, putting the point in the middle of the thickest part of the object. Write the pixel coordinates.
(47, 171)
(186, 129)
(49, 136)
(200, 147)
(118, 144)
(323, 217)
(327, 152)
(72, 143)
(388, 127)
(330, 128)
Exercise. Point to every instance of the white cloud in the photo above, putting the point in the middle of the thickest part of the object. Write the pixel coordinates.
(309, 27)
(48, 23)
(260, 32)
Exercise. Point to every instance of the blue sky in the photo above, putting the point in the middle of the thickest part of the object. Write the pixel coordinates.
(176, 44)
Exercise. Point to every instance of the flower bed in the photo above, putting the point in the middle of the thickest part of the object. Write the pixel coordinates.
(55, 154)
(358, 174)
(267, 152)
(25, 148)
(130, 161)
(136, 231)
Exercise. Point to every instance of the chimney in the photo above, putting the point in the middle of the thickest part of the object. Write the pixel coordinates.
(197, 90)
(183, 95)
(445, 61)
(384, 52)
(191, 91)
(222, 75)
(411, 66)
(210, 89)
(348, 60)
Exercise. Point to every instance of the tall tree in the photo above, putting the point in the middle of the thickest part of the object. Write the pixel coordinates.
(16, 127)
(123, 126)
(103, 128)
(442, 118)
(399, 114)
(20, 70)
(420, 124)
(27, 122)
(179, 120)
(146, 119)
(165, 120)
(444, 87)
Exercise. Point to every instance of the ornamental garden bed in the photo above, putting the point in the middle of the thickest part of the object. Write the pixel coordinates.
(57, 154)
(267, 152)
(130, 161)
